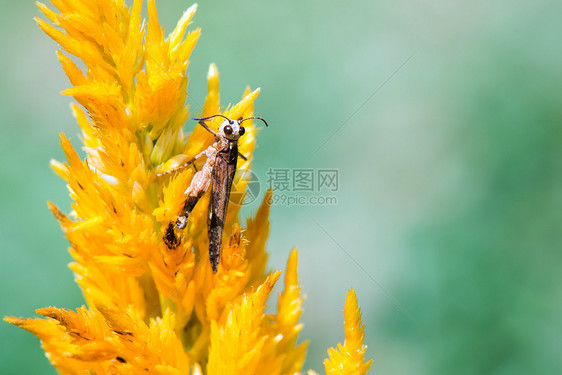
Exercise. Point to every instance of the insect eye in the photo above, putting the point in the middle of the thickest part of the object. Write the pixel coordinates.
(241, 131)
(228, 129)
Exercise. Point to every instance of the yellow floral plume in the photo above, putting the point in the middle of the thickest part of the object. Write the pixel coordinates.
(349, 357)
(152, 309)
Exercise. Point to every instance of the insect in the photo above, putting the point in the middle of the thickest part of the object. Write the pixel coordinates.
(217, 173)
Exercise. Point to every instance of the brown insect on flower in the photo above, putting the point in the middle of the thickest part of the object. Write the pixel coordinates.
(153, 306)
(217, 173)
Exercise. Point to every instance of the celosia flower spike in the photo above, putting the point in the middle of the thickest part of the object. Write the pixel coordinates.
(153, 308)
(349, 357)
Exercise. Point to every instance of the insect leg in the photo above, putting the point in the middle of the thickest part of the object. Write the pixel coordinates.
(184, 165)
(194, 192)
(199, 185)
(189, 205)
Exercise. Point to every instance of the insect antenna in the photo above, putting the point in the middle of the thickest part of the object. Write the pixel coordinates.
(201, 122)
(249, 118)
(210, 117)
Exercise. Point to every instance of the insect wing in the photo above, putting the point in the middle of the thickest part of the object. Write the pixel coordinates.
(223, 174)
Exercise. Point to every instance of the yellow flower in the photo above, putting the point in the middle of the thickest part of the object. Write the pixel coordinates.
(349, 357)
(152, 309)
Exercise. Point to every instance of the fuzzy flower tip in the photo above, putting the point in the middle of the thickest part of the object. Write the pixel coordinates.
(152, 308)
(349, 357)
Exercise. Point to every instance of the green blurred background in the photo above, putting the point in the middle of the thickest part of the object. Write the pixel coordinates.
(444, 120)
